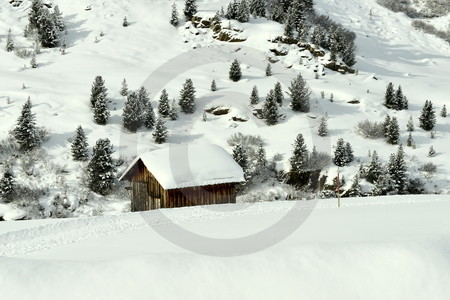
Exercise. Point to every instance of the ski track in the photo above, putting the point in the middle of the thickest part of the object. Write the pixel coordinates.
(22, 242)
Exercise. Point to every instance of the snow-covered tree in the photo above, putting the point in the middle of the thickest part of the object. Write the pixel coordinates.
(190, 9)
(163, 105)
(410, 124)
(389, 96)
(213, 86)
(374, 170)
(148, 116)
(444, 111)
(410, 141)
(254, 96)
(9, 41)
(35, 14)
(427, 117)
(7, 186)
(400, 99)
(125, 22)
(299, 158)
(322, 130)
(131, 115)
(269, 69)
(243, 14)
(270, 109)
(124, 88)
(173, 113)
(299, 92)
(348, 55)
(235, 71)
(58, 18)
(101, 169)
(349, 153)
(302, 31)
(397, 170)
(33, 62)
(240, 156)
(355, 188)
(257, 8)
(101, 110)
(79, 146)
(393, 132)
(174, 16)
(187, 97)
(48, 31)
(278, 93)
(98, 88)
(25, 131)
(160, 132)
(431, 152)
(289, 23)
(340, 158)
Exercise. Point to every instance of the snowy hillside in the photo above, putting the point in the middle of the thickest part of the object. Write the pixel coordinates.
(372, 248)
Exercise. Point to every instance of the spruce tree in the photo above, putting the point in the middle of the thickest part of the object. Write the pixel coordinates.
(148, 116)
(235, 71)
(190, 9)
(427, 118)
(261, 160)
(340, 154)
(101, 169)
(410, 124)
(444, 111)
(323, 127)
(258, 8)
(160, 132)
(241, 158)
(58, 18)
(25, 131)
(348, 55)
(125, 22)
(35, 14)
(163, 105)
(397, 170)
(9, 41)
(355, 188)
(48, 31)
(410, 141)
(33, 62)
(187, 97)
(131, 115)
(79, 146)
(299, 93)
(254, 97)
(299, 158)
(213, 86)
(431, 152)
(101, 110)
(349, 153)
(7, 186)
(289, 23)
(278, 93)
(269, 69)
(243, 14)
(174, 16)
(393, 132)
(173, 113)
(386, 125)
(399, 99)
(374, 169)
(143, 97)
(124, 88)
(389, 96)
(98, 88)
(302, 31)
(270, 109)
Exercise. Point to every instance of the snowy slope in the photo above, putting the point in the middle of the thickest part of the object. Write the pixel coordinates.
(372, 248)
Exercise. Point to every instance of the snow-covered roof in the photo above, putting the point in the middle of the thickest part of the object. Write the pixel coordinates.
(187, 165)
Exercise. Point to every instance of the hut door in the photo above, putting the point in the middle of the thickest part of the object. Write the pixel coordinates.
(140, 196)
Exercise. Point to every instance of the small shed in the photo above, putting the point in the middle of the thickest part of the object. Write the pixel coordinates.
(183, 175)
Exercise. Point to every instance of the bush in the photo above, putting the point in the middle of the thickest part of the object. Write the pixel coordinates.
(370, 130)
(245, 140)
(428, 167)
(403, 6)
(430, 29)
(23, 53)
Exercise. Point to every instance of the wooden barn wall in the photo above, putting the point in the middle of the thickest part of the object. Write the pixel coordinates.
(148, 194)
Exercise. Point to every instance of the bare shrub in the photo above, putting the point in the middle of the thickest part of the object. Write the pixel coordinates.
(370, 130)
(430, 29)
(403, 6)
(245, 140)
(428, 167)
(23, 53)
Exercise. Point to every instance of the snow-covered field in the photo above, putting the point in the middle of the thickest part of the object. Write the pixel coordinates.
(372, 248)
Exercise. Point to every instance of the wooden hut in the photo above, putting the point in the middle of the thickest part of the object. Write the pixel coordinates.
(183, 175)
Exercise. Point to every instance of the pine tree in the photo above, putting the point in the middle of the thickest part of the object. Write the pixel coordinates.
(35, 14)
(187, 97)
(278, 93)
(254, 97)
(7, 190)
(397, 170)
(174, 16)
(101, 111)
(48, 31)
(323, 127)
(393, 132)
(235, 71)
(399, 99)
(268, 69)
(160, 132)
(241, 158)
(444, 112)
(98, 88)
(355, 188)
(389, 96)
(25, 131)
(124, 88)
(131, 115)
(79, 145)
(243, 14)
(173, 113)
(101, 169)
(33, 62)
(270, 109)
(258, 8)
(340, 154)
(428, 116)
(261, 159)
(289, 23)
(318, 36)
(431, 152)
(163, 105)
(302, 31)
(190, 9)
(386, 125)
(374, 169)
(348, 55)
(299, 93)
(143, 97)
(349, 153)
(9, 41)
(125, 22)
(148, 116)
(299, 158)
(213, 86)
(410, 124)
(410, 141)
(58, 18)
